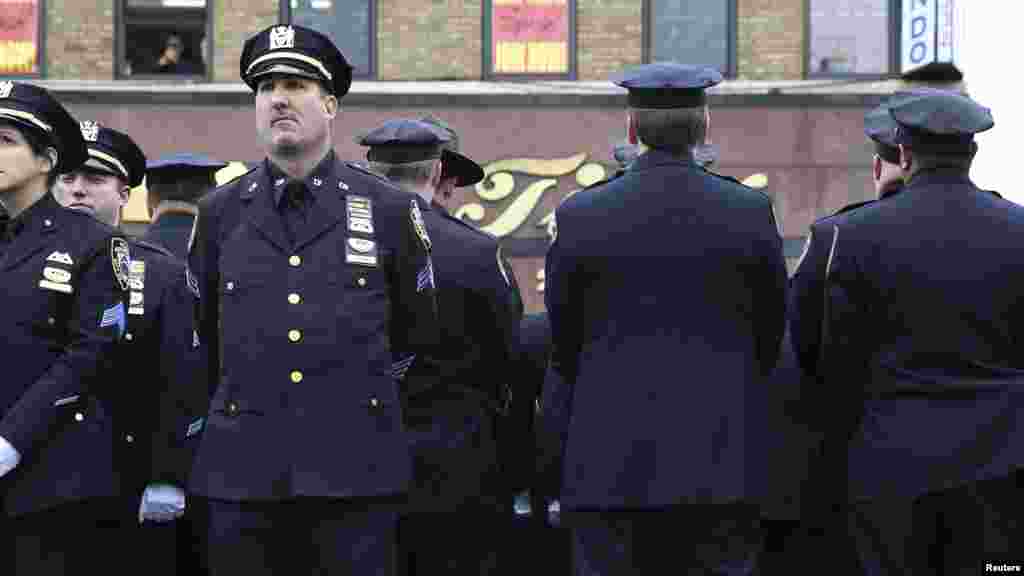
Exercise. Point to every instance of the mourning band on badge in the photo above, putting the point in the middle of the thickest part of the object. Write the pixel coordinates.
(361, 251)
(120, 260)
(359, 210)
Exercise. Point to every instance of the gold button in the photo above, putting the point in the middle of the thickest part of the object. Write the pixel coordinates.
(361, 281)
(128, 336)
(79, 416)
(294, 335)
(294, 298)
(294, 260)
(296, 376)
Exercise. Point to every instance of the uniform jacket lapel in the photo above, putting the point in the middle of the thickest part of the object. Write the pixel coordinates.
(328, 210)
(258, 208)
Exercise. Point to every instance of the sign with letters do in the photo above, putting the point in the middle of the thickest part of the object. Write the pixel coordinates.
(928, 33)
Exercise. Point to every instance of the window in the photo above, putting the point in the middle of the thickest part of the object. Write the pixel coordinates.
(350, 24)
(691, 32)
(21, 34)
(530, 38)
(163, 38)
(850, 37)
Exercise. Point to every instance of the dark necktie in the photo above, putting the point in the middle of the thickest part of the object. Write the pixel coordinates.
(295, 204)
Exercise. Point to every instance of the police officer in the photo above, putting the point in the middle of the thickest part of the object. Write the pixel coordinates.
(922, 377)
(157, 362)
(666, 289)
(317, 308)
(457, 479)
(173, 184)
(65, 278)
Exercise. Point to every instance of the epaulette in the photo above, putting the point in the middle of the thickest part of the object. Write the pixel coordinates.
(151, 247)
(367, 170)
(847, 208)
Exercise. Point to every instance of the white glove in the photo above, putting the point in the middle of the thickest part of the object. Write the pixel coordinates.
(9, 457)
(161, 503)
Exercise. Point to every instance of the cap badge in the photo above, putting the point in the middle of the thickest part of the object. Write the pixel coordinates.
(5, 88)
(282, 37)
(90, 130)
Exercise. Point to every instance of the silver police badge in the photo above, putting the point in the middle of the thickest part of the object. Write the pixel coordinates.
(282, 37)
(5, 88)
(120, 259)
(90, 130)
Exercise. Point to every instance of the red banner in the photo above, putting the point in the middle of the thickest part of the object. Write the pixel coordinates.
(530, 23)
(19, 37)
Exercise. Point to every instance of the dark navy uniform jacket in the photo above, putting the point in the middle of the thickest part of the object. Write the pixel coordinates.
(171, 231)
(309, 344)
(918, 366)
(453, 428)
(666, 292)
(161, 372)
(63, 315)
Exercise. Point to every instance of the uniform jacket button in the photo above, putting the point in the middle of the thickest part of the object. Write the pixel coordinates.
(294, 335)
(79, 416)
(232, 408)
(294, 298)
(295, 260)
(374, 403)
(296, 376)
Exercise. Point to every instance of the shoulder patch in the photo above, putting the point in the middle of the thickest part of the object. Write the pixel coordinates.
(418, 225)
(120, 260)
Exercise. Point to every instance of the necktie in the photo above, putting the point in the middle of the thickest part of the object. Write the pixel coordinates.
(295, 207)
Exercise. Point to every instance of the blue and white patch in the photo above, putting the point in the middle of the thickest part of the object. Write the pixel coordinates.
(195, 428)
(425, 278)
(114, 316)
(400, 367)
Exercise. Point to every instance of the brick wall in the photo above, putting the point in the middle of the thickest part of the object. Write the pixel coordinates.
(429, 39)
(234, 21)
(770, 36)
(80, 39)
(609, 37)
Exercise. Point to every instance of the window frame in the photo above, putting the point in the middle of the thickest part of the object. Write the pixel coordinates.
(285, 16)
(40, 48)
(893, 30)
(488, 57)
(120, 48)
(732, 31)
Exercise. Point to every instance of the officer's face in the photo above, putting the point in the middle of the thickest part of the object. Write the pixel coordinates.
(101, 195)
(295, 114)
(19, 164)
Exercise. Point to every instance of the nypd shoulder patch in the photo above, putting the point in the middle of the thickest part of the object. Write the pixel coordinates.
(418, 225)
(120, 260)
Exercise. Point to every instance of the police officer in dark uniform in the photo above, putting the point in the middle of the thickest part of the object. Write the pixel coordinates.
(919, 377)
(457, 478)
(174, 184)
(157, 362)
(318, 309)
(666, 291)
(65, 278)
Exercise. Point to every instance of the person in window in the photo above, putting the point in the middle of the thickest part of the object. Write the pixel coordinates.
(171, 60)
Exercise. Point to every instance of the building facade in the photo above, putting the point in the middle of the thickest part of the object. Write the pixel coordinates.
(456, 39)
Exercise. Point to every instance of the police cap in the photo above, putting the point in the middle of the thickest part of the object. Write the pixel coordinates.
(880, 127)
(404, 140)
(938, 121)
(113, 152)
(32, 107)
(184, 161)
(297, 51)
(667, 84)
(465, 171)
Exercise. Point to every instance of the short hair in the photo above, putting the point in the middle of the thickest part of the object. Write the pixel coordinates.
(411, 173)
(673, 130)
(180, 184)
(929, 160)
